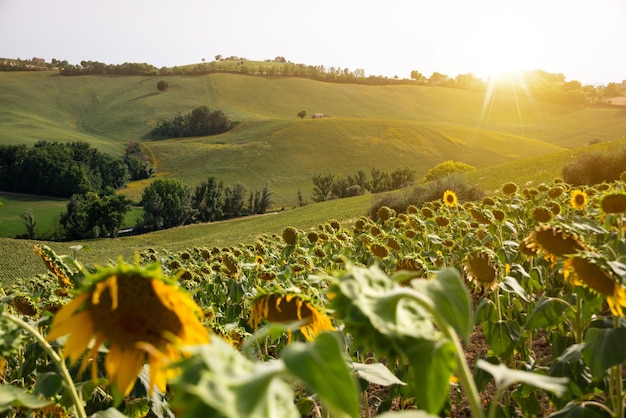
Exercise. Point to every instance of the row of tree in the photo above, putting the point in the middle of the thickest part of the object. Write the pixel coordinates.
(200, 121)
(330, 186)
(64, 169)
(167, 203)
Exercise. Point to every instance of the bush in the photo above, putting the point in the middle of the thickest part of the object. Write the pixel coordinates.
(400, 201)
(595, 167)
(201, 121)
(447, 168)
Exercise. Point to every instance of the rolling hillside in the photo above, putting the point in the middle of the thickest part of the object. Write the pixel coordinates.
(371, 126)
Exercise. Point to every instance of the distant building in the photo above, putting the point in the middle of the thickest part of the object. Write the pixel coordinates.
(319, 116)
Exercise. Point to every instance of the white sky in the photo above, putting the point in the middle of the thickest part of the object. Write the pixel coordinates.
(583, 39)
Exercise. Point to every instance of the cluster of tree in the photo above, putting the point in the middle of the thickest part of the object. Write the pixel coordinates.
(329, 186)
(64, 169)
(99, 68)
(94, 215)
(34, 64)
(168, 202)
(200, 121)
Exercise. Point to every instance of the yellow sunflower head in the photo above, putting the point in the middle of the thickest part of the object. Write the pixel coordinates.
(578, 199)
(553, 242)
(449, 199)
(614, 202)
(586, 269)
(289, 307)
(139, 314)
(482, 268)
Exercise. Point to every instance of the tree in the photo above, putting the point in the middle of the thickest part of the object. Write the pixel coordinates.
(234, 201)
(402, 177)
(208, 200)
(30, 222)
(166, 203)
(302, 114)
(323, 186)
(93, 215)
(381, 181)
(260, 201)
(162, 85)
(417, 76)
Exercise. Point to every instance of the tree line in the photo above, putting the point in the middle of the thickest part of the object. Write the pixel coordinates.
(64, 169)
(330, 186)
(167, 203)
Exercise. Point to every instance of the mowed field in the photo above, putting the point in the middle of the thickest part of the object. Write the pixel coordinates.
(507, 137)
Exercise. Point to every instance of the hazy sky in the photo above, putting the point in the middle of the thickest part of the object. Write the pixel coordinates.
(583, 39)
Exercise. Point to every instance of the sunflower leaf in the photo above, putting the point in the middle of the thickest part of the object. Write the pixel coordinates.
(506, 377)
(376, 373)
(314, 363)
(12, 396)
(548, 312)
(603, 349)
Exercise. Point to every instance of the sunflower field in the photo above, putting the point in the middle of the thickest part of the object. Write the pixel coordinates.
(509, 306)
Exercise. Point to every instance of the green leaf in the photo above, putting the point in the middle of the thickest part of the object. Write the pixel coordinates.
(547, 313)
(486, 311)
(376, 373)
(502, 336)
(450, 296)
(48, 384)
(431, 365)
(506, 377)
(579, 410)
(510, 285)
(136, 408)
(12, 396)
(108, 413)
(603, 349)
(324, 369)
(218, 381)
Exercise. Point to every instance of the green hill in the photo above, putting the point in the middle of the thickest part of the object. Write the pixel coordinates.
(371, 126)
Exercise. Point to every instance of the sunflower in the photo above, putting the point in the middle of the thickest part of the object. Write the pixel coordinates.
(481, 268)
(449, 199)
(290, 235)
(258, 260)
(585, 269)
(139, 314)
(542, 214)
(553, 242)
(578, 199)
(614, 203)
(24, 305)
(379, 250)
(509, 188)
(290, 307)
(385, 213)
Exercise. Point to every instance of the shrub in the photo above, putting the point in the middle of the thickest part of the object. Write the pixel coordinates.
(595, 167)
(400, 201)
(447, 168)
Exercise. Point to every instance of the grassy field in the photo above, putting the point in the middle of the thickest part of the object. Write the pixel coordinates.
(383, 127)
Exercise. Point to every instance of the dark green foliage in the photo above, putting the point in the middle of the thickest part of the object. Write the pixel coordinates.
(201, 121)
(57, 169)
(302, 114)
(426, 193)
(162, 85)
(93, 215)
(96, 68)
(30, 222)
(259, 201)
(209, 200)
(167, 203)
(138, 162)
(235, 201)
(590, 168)
(337, 187)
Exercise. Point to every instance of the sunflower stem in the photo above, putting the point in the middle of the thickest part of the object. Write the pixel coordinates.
(56, 358)
(616, 382)
(465, 374)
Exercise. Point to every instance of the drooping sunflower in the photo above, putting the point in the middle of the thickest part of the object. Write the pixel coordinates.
(578, 199)
(553, 242)
(509, 188)
(289, 307)
(449, 199)
(290, 235)
(482, 268)
(585, 269)
(614, 203)
(542, 214)
(139, 314)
